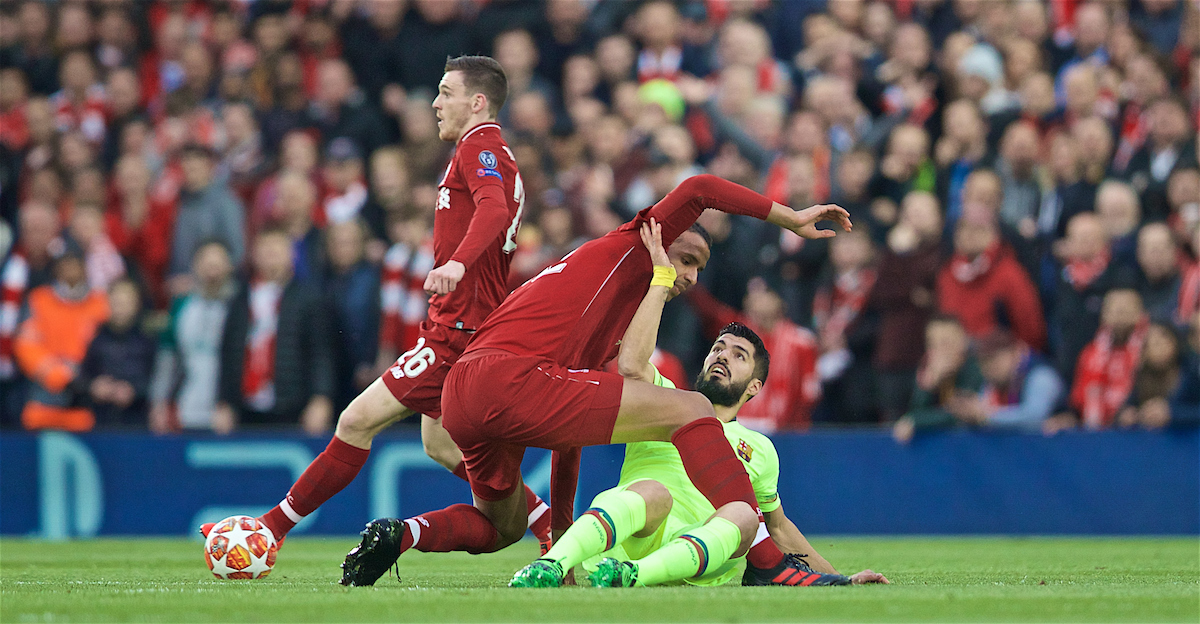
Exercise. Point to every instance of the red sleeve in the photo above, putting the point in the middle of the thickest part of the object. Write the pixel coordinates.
(491, 208)
(1025, 310)
(680, 208)
(713, 314)
(564, 479)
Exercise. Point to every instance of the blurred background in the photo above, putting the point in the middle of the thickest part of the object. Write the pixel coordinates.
(1007, 342)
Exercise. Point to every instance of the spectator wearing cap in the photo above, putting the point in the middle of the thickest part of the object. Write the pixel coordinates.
(981, 79)
(983, 284)
(60, 320)
(207, 210)
(345, 189)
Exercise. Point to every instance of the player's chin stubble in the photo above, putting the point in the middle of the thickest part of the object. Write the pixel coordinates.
(724, 394)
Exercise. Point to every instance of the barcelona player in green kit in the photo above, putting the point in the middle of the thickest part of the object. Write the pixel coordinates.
(655, 527)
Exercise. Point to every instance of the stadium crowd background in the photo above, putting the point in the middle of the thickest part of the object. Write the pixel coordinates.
(1022, 176)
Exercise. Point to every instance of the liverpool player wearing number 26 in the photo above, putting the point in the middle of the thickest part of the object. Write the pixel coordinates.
(479, 207)
(532, 377)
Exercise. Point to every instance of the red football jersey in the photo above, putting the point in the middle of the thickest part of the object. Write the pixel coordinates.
(479, 207)
(575, 311)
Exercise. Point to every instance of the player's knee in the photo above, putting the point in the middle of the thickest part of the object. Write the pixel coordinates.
(352, 425)
(509, 535)
(744, 517)
(658, 500)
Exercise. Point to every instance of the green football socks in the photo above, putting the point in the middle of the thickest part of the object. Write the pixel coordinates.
(691, 554)
(612, 518)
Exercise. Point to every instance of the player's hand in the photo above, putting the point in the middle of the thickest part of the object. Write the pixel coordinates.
(652, 238)
(806, 220)
(444, 279)
(868, 576)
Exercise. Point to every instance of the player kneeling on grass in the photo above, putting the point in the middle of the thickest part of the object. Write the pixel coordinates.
(655, 527)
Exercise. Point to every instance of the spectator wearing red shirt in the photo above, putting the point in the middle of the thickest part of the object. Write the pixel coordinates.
(140, 224)
(983, 280)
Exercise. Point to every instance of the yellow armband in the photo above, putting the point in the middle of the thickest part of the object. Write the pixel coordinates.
(663, 276)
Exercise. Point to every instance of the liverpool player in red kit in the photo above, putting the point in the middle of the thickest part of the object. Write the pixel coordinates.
(531, 377)
(479, 207)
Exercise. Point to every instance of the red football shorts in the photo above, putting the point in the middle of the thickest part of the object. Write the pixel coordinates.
(417, 377)
(496, 404)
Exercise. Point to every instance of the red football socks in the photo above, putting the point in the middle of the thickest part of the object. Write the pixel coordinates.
(711, 464)
(764, 555)
(539, 520)
(329, 473)
(455, 528)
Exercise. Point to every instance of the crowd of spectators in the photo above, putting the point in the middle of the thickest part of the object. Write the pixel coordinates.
(217, 214)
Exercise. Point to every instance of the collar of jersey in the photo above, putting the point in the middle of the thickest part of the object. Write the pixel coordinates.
(478, 128)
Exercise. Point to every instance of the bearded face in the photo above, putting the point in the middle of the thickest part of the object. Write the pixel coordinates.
(728, 371)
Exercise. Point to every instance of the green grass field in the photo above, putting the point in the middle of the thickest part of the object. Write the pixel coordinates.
(934, 579)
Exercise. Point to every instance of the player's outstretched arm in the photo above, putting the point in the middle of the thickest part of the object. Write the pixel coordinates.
(790, 540)
(804, 222)
(637, 345)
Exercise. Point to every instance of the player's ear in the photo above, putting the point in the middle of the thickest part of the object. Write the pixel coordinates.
(479, 103)
(755, 386)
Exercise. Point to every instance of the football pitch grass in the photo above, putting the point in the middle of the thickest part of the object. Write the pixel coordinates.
(933, 579)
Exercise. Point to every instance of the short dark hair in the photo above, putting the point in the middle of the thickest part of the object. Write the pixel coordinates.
(762, 359)
(700, 231)
(482, 74)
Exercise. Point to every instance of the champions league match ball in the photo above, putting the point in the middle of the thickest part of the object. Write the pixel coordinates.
(240, 547)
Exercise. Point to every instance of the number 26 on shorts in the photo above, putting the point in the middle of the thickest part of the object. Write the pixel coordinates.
(414, 361)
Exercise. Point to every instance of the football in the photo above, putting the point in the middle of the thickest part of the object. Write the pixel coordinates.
(240, 547)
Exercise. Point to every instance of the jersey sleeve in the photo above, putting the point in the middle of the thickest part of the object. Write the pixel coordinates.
(764, 474)
(480, 169)
(680, 208)
(660, 379)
